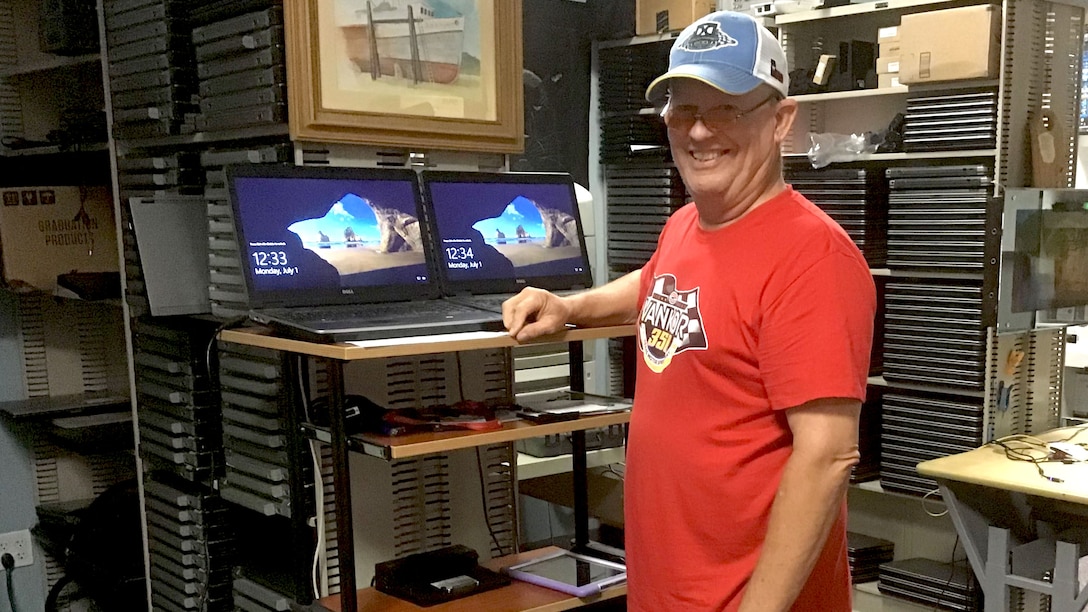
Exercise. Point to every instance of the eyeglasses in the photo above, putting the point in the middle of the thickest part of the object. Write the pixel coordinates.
(715, 119)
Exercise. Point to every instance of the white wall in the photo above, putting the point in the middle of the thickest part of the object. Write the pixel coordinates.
(1081, 180)
(17, 497)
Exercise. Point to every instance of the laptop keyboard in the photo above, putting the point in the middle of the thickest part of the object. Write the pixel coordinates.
(490, 302)
(493, 301)
(397, 311)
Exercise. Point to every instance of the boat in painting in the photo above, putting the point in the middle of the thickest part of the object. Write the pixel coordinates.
(417, 40)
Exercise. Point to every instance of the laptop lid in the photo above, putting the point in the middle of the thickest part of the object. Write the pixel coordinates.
(499, 232)
(317, 235)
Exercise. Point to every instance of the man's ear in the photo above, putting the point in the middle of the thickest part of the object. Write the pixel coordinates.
(785, 113)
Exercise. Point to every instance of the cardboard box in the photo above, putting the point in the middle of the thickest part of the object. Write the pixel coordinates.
(887, 65)
(950, 45)
(46, 231)
(887, 80)
(653, 16)
(888, 49)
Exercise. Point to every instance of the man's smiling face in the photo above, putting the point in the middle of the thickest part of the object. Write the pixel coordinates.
(729, 169)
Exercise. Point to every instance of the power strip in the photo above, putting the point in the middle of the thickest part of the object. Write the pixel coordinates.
(18, 545)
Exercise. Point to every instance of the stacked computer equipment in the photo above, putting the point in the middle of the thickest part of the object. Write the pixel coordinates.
(945, 586)
(191, 546)
(156, 174)
(240, 67)
(920, 426)
(866, 555)
(631, 129)
(939, 303)
(255, 597)
(151, 68)
(177, 397)
(152, 83)
(640, 201)
(856, 198)
(227, 289)
(258, 460)
(642, 184)
(934, 337)
(938, 217)
(959, 120)
(934, 333)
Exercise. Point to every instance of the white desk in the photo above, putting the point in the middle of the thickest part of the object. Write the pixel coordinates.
(1013, 522)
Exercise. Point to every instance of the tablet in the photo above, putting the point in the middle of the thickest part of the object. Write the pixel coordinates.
(569, 572)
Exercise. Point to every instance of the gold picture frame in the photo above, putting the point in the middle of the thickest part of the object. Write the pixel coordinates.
(420, 94)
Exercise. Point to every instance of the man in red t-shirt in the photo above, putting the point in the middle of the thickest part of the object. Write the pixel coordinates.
(754, 320)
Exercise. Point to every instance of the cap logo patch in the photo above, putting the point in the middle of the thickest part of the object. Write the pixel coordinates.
(707, 37)
(775, 72)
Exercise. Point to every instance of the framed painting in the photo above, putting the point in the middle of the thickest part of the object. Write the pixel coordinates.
(419, 74)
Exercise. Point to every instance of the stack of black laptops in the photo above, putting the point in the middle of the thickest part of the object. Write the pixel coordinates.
(937, 217)
(954, 121)
(855, 198)
(240, 67)
(640, 200)
(151, 176)
(919, 427)
(630, 130)
(192, 546)
(152, 73)
(941, 219)
(866, 555)
(946, 586)
(340, 254)
(180, 418)
(226, 289)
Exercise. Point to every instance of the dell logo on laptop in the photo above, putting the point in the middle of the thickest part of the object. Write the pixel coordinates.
(347, 291)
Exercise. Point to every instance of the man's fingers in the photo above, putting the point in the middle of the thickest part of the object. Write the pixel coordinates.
(519, 309)
(532, 331)
(527, 315)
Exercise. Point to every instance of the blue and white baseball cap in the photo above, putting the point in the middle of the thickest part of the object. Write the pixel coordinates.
(726, 50)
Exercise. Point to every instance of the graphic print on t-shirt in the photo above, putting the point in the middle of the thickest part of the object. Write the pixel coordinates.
(669, 323)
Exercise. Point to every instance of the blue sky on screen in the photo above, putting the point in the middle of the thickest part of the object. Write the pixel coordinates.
(521, 211)
(351, 211)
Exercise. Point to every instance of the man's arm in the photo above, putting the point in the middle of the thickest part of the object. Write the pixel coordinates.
(809, 499)
(535, 312)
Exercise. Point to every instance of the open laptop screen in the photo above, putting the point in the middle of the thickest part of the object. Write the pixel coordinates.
(322, 235)
(497, 232)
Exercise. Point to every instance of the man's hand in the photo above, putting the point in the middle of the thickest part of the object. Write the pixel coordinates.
(534, 313)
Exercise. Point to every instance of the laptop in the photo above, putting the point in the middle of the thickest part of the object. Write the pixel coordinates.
(334, 254)
(496, 233)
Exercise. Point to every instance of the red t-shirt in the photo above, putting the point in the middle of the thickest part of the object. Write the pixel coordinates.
(737, 325)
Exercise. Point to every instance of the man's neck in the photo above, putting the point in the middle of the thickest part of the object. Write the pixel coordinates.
(718, 214)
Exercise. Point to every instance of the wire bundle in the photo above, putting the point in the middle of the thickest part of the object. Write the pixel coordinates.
(1022, 447)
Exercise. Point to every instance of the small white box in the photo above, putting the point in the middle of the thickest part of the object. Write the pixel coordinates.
(888, 34)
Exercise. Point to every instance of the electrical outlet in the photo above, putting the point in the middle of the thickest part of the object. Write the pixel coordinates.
(18, 544)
